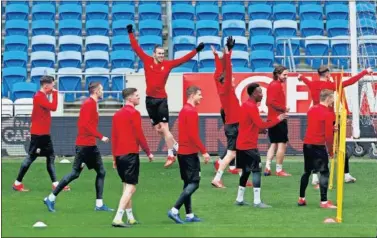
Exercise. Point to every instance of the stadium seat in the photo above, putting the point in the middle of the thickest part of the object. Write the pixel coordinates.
(282, 50)
(181, 69)
(69, 59)
(97, 27)
(368, 47)
(179, 2)
(97, 2)
(23, 106)
(52, 2)
(241, 43)
(149, 42)
(70, 27)
(183, 27)
(37, 73)
(366, 26)
(75, 2)
(340, 46)
(206, 69)
(318, 47)
(129, 3)
(99, 75)
(207, 12)
(43, 12)
(207, 60)
(10, 76)
(311, 28)
(43, 27)
(97, 43)
(337, 27)
(337, 11)
(96, 59)
(207, 3)
(6, 108)
(15, 59)
(70, 43)
(210, 40)
(240, 59)
(23, 90)
(97, 12)
(70, 11)
(261, 42)
(43, 43)
(118, 82)
(264, 70)
(122, 12)
(192, 64)
(207, 28)
(260, 11)
(24, 2)
(271, 2)
(16, 12)
(184, 43)
(119, 27)
(285, 28)
(233, 12)
(70, 82)
(327, 3)
(234, 28)
(261, 58)
(311, 12)
(141, 2)
(284, 11)
(42, 59)
(150, 12)
(302, 3)
(260, 27)
(183, 11)
(121, 43)
(237, 3)
(242, 70)
(16, 43)
(122, 59)
(366, 10)
(16, 27)
(150, 27)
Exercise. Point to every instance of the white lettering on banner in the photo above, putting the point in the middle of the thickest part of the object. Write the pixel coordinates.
(293, 95)
(367, 92)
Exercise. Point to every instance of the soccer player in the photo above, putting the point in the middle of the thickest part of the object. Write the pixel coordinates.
(86, 149)
(188, 159)
(278, 135)
(319, 135)
(126, 137)
(41, 144)
(248, 158)
(326, 82)
(157, 71)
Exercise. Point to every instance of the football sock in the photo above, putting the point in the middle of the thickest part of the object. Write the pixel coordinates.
(119, 215)
(175, 146)
(51, 197)
(257, 199)
(241, 192)
(279, 167)
(17, 183)
(99, 202)
(55, 183)
(191, 215)
(170, 152)
(218, 176)
(315, 178)
(232, 167)
(268, 164)
(130, 215)
(174, 210)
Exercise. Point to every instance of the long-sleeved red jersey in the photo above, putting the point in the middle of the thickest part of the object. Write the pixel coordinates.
(320, 129)
(87, 124)
(41, 114)
(156, 75)
(188, 131)
(228, 98)
(126, 133)
(250, 123)
(275, 99)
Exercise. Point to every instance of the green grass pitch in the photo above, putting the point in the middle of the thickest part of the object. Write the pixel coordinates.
(159, 188)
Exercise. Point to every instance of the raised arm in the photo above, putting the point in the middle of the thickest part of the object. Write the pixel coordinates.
(257, 120)
(356, 78)
(193, 124)
(272, 98)
(176, 62)
(228, 70)
(45, 103)
(135, 46)
(139, 134)
(305, 80)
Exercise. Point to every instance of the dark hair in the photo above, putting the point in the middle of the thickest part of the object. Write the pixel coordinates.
(46, 79)
(251, 88)
(279, 69)
(93, 86)
(325, 93)
(157, 47)
(128, 92)
(192, 90)
(323, 70)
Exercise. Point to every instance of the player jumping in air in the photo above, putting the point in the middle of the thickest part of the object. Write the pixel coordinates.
(86, 149)
(126, 137)
(189, 163)
(319, 135)
(157, 71)
(41, 144)
(326, 82)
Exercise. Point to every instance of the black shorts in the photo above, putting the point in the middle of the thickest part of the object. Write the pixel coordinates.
(42, 143)
(249, 160)
(231, 133)
(279, 133)
(315, 158)
(158, 109)
(89, 155)
(189, 166)
(128, 168)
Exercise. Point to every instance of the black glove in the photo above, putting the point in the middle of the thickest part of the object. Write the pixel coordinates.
(230, 42)
(129, 28)
(200, 47)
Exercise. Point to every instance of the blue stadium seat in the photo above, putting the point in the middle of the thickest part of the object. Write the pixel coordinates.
(16, 27)
(70, 82)
(285, 28)
(340, 46)
(327, 3)
(43, 27)
(43, 12)
(293, 2)
(70, 27)
(207, 60)
(16, 43)
(150, 12)
(150, 27)
(141, 2)
(237, 3)
(242, 70)
(23, 90)
(260, 27)
(316, 48)
(118, 82)
(366, 26)
(121, 43)
(284, 11)
(207, 28)
(207, 12)
(260, 11)
(241, 43)
(368, 47)
(97, 2)
(97, 43)
(207, 2)
(311, 12)
(52, 2)
(261, 58)
(182, 69)
(206, 69)
(16, 12)
(119, 27)
(122, 59)
(25, 2)
(337, 11)
(70, 11)
(42, 59)
(101, 75)
(192, 64)
(240, 59)
(43, 43)
(261, 42)
(233, 12)
(311, 28)
(97, 12)
(210, 40)
(37, 73)
(97, 27)
(149, 42)
(301, 3)
(96, 59)
(184, 43)
(366, 10)
(337, 27)
(183, 11)
(130, 3)
(10, 76)
(70, 43)
(123, 12)
(261, 2)
(264, 70)
(234, 28)
(76, 2)
(69, 59)
(182, 27)
(15, 59)
(282, 50)
(179, 2)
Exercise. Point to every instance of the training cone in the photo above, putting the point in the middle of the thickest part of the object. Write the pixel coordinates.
(330, 220)
(64, 161)
(39, 224)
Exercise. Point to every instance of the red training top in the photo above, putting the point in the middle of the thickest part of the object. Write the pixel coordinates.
(275, 99)
(41, 114)
(156, 75)
(188, 128)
